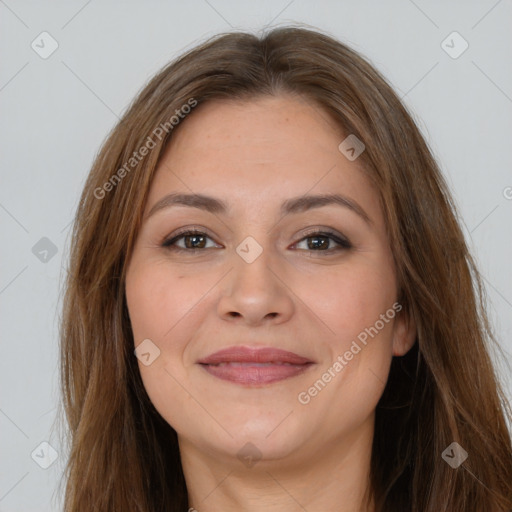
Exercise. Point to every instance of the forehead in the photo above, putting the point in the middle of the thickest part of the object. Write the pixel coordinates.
(257, 130)
(260, 151)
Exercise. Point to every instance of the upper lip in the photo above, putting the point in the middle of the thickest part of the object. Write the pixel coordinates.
(245, 354)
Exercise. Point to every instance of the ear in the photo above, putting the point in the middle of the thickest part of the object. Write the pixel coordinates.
(404, 333)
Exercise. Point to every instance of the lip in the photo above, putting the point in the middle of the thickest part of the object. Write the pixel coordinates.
(254, 365)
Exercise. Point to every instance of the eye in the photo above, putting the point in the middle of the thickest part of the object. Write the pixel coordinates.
(192, 240)
(321, 242)
(316, 241)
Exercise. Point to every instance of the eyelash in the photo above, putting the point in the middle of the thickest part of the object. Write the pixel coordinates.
(343, 243)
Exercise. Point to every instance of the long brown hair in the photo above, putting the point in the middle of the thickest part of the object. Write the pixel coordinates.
(124, 456)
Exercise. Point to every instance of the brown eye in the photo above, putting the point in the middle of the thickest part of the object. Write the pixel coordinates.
(192, 240)
(323, 242)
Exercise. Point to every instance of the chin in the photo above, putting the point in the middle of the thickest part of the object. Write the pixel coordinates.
(271, 439)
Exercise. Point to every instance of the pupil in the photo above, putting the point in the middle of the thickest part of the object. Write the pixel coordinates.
(324, 243)
(320, 242)
(191, 244)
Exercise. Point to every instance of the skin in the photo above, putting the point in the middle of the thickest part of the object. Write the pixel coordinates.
(254, 155)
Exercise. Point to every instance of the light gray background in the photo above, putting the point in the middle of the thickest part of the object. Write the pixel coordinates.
(57, 111)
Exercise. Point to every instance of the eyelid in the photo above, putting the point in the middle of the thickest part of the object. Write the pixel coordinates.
(188, 230)
(340, 239)
(318, 230)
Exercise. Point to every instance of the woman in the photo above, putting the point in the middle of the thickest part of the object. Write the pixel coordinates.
(270, 303)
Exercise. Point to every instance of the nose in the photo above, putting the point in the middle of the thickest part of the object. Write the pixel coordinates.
(256, 293)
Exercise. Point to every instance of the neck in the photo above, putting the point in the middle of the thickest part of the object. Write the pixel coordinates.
(332, 477)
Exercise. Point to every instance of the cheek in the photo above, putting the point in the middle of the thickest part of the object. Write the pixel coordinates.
(351, 301)
(157, 299)
(357, 308)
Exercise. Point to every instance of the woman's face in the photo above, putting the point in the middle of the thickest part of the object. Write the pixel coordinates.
(273, 266)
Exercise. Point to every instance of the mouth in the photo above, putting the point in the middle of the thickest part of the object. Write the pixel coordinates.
(255, 365)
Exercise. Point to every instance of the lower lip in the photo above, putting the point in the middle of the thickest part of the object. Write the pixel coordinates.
(255, 373)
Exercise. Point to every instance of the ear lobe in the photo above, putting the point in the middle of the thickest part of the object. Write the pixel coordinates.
(404, 334)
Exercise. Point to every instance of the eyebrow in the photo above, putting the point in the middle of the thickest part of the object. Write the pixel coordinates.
(290, 206)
